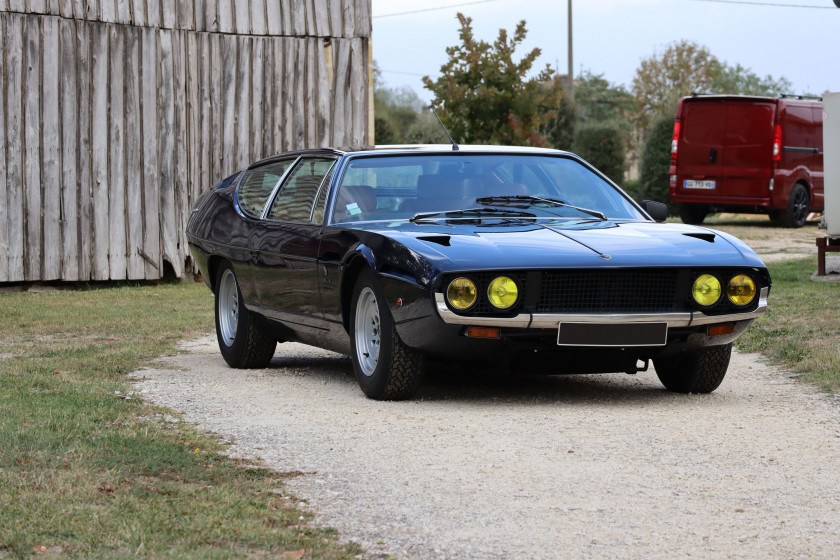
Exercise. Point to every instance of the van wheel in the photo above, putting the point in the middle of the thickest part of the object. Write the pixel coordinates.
(692, 214)
(796, 212)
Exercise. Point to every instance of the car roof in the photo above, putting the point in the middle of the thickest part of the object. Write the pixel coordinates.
(397, 149)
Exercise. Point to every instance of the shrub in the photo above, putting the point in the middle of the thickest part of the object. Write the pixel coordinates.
(656, 158)
(603, 145)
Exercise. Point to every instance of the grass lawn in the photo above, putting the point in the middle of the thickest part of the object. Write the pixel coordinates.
(88, 472)
(801, 329)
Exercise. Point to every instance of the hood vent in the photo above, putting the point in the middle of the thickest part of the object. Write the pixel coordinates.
(439, 239)
(708, 237)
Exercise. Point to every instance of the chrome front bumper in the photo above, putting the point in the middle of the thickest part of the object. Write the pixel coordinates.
(553, 320)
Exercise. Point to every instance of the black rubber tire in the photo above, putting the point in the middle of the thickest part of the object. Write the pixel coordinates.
(692, 214)
(775, 215)
(399, 369)
(252, 345)
(796, 213)
(698, 371)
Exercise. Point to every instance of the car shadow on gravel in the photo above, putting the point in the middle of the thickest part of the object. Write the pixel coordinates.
(459, 383)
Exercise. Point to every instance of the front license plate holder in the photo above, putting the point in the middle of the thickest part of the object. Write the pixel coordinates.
(614, 335)
(694, 184)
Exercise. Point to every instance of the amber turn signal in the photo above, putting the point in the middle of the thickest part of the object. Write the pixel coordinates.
(717, 330)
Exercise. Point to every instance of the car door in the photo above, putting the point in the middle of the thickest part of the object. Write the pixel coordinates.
(285, 246)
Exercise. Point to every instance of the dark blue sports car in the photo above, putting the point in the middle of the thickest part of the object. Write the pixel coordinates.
(521, 259)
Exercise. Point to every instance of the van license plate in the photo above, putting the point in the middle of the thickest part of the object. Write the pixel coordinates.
(692, 184)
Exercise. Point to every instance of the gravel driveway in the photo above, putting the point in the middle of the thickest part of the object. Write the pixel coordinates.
(605, 466)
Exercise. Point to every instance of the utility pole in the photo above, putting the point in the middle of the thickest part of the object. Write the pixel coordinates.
(571, 91)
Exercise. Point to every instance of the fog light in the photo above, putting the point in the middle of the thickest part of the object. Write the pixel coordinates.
(706, 290)
(461, 293)
(502, 292)
(741, 290)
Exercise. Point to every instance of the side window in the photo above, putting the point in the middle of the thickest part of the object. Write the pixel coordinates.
(321, 203)
(258, 184)
(297, 195)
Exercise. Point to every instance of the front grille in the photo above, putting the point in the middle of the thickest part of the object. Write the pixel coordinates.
(607, 291)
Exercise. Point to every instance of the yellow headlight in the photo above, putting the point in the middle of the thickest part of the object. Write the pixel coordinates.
(741, 290)
(461, 293)
(502, 292)
(706, 290)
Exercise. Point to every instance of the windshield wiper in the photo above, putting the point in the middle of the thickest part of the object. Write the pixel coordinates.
(470, 213)
(507, 199)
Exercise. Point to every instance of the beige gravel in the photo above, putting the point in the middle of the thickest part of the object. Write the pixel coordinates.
(606, 466)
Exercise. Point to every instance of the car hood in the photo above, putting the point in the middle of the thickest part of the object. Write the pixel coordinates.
(451, 247)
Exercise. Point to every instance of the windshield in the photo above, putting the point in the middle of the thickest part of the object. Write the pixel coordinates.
(401, 187)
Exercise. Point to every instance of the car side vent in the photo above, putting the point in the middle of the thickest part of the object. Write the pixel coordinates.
(439, 239)
(709, 237)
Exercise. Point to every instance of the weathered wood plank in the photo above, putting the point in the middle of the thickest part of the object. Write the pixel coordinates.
(85, 209)
(311, 94)
(108, 11)
(298, 13)
(36, 7)
(138, 12)
(18, 6)
(288, 98)
(322, 18)
(278, 82)
(153, 17)
(193, 145)
(180, 198)
(166, 158)
(322, 113)
(242, 14)
(258, 23)
(69, 153)
(349, 19)
(4, 212)
(65, 8)
(32, 147)
(309, 10)
(153, 266)
(230, 57)
(116, 160)
(135, 265)
(243, 103)
(99, 151)
(185, 15)
(14, 145)
(273, 17)
(288, 19)
(300, 93)
(269, 100)
(79, 9)
(226, 24)
(123, 12)
(205, 113)
(358, 88)
(257, 99)
(341, 48)
(168, 14)
(217, 103)
(51, 146)
(363, 24)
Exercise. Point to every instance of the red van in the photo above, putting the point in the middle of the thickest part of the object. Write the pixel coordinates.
(733, 153)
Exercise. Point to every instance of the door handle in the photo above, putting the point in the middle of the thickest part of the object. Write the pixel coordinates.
(713, 155)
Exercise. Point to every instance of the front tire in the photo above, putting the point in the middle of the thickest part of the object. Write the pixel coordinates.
(385, 368)
(697, 371)
(242, 342)
(692, 214)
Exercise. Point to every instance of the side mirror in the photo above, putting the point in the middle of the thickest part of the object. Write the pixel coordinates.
(656, 210)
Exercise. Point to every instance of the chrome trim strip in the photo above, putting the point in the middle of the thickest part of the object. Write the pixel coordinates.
(553, 320)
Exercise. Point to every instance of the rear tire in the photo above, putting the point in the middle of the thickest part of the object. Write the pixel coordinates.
(385, 368)
(698, 371)
(796, 213)
(242, 342)
(692, 214)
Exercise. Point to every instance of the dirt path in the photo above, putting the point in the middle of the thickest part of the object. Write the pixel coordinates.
(608, 466)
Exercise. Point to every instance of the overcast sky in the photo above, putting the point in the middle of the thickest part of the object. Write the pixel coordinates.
(800, 40)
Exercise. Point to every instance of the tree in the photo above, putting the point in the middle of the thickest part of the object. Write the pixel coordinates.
(739, 80)
(558, 130)
(395, 111)
(600, 101)
(684, 67)
(603, 145)
(484, 95)
(656, 158)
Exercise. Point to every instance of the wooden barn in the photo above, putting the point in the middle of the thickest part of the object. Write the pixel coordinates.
(116, 114)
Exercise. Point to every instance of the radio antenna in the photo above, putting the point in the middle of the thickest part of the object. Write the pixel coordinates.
(454, 144)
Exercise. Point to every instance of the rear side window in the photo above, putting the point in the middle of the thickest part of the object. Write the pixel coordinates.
(296, 197)
(258, 184)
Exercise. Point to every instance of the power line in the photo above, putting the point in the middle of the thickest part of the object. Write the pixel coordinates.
(768, 4)
(434, 9)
